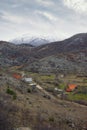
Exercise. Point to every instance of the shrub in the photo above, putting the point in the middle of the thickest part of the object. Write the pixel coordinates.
(11, 92)
(14, 96)
(51, 119)
(29, 90)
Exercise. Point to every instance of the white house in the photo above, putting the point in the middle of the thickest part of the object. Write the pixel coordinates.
(28, 80)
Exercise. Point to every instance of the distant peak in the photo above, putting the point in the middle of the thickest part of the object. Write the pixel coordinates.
(32, 40)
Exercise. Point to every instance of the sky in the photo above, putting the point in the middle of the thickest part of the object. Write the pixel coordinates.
(59, 19)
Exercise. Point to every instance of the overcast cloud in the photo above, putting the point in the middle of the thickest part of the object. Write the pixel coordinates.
(55, 18)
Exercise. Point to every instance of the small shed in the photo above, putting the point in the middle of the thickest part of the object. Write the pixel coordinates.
(28, 80)
(58, 91)
(71, 87)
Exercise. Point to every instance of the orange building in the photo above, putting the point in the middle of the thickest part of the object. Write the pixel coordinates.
(17, 76)
(71, 87)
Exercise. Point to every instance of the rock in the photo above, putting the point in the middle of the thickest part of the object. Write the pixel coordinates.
(71, 124)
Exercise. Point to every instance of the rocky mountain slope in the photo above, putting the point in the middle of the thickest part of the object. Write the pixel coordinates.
(69, 55)
(11, 54)
(77, 43)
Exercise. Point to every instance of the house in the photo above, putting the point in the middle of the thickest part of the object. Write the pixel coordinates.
(17, 76)
(28, 80)
(71, 87)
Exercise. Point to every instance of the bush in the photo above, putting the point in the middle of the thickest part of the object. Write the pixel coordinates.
(29, 90)
(51, 119)
(11, 92)
(14, 96)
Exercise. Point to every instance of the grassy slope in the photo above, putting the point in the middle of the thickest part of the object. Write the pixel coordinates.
(35, 111)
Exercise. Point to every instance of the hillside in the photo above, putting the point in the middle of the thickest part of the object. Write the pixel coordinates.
(21, 106)
(69, 55)
(46, 105)
(77, 43)
(11, 54)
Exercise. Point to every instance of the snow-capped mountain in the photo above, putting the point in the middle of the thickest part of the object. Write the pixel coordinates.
(32, 40)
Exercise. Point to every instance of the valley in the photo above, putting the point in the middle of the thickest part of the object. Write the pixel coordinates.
(44, 87)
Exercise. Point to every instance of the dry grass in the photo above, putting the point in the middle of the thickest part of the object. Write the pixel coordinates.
(38, 112)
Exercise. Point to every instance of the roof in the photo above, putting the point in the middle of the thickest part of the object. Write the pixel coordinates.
(71, 87)
(32, 84)
(17, 76)
(28, 79)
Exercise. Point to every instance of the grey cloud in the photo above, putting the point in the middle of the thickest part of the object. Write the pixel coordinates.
(39, 17)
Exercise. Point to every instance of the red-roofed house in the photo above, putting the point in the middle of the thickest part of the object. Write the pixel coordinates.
(71, 87)
(17, 76)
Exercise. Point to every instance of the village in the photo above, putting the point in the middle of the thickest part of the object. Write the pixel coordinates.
(42, 99)
(51, 88)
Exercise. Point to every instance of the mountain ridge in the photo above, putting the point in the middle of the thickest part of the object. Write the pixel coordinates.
(32, 40)
(70, 51)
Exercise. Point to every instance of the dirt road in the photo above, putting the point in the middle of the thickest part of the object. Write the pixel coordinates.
(46, 94)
